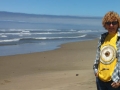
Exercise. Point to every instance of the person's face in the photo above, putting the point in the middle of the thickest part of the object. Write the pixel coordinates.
(112, 26)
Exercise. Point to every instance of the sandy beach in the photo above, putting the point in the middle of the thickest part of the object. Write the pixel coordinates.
(66, 68)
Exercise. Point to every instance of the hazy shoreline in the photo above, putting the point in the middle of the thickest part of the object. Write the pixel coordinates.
(51, 70)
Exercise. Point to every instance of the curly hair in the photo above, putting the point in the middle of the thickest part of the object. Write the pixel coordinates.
(110, 16)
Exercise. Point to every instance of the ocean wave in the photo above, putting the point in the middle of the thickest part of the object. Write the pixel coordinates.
(40, 38)
(9, 40)
(27, 32)
(3, 36)
(52, 38)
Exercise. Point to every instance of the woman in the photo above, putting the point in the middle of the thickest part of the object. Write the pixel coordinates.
(107, 63)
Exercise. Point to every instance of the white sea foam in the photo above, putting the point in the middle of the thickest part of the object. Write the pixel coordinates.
(3, 36)
(61, 37)
(9, 40)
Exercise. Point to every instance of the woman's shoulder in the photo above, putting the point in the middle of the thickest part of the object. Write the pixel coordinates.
(104, 34)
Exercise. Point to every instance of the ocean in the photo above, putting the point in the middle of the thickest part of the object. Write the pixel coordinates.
(28, 33)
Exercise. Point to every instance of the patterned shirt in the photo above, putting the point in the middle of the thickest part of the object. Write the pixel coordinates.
(116, 73)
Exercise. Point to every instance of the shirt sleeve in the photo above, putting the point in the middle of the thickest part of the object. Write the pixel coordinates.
(115, 75)
(96, 61)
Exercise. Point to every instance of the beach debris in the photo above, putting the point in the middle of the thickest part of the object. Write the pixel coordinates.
(77, 74)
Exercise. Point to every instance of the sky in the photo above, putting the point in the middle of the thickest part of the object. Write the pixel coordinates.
(61, 7)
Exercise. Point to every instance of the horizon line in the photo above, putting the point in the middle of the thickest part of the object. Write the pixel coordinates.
(49, 14)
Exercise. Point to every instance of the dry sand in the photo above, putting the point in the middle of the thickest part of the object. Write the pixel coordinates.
(66, 68)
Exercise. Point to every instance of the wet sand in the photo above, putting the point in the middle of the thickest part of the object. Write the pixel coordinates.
(66, 68)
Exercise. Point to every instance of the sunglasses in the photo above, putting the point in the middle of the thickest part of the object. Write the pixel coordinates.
(113, 23)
